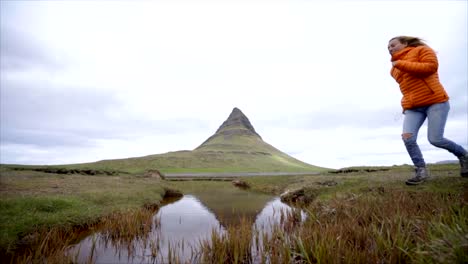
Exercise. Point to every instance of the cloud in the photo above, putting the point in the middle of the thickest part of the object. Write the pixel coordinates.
(43, 114)
(22, 52)
(84, 81)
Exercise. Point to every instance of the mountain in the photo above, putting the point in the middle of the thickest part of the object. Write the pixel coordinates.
(237, 126)
(237, 140)
(447, 162)
(234, 147)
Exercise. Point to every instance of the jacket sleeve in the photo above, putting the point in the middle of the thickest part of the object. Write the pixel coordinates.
(427, 63)
(396, 74)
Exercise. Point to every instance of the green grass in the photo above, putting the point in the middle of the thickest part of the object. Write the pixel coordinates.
(22, 215)
(397, 225)
(32, 200)
(201, 161)
(234, 153)
(368, 215)
(444, 178)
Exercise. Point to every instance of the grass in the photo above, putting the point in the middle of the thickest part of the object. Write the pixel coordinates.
(194, 162)
(366, 215)
(234, 153)
(445, 179)
(232, 246)
(394, 226)
(207, 161)
(33, 200)
(118, 229)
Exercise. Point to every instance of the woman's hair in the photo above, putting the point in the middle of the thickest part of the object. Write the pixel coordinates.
(410, 41)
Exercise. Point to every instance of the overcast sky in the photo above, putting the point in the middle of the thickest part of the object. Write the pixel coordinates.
(85, 81)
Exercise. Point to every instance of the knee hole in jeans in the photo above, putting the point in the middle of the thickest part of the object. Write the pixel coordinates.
(406, 136)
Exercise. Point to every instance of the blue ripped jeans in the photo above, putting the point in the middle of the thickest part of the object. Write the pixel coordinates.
(436, 115)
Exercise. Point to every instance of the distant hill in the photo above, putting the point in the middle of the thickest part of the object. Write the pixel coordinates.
(447, 162)
(234, 147)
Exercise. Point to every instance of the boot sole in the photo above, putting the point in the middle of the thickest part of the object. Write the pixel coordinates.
(414, 183)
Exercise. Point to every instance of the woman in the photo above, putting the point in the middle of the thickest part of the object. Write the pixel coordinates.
(415, 69)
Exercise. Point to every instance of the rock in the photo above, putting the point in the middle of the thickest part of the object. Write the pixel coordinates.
(328, 183)
(89, 172)
(240, 184)
(300, 196)
(236, 124)
(154, 174)
(238, 119)
(172, 193)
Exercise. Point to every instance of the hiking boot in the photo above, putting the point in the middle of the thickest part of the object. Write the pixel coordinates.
(464, 165)
(420, 176)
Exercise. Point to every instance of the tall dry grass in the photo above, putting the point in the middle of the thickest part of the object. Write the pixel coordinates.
(374, 226)
(231, 246)
(384, 226)
(119, 230)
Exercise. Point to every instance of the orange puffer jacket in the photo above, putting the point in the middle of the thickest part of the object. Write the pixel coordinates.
(416, 72)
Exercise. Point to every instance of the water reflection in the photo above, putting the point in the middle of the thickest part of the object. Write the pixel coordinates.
(184, 224)
(272, 213)
(231, 204)
(178, 228)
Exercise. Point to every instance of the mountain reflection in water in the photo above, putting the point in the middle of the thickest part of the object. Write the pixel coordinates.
(182, 226)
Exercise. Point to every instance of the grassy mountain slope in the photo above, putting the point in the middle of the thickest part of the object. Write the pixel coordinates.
(235, 147)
